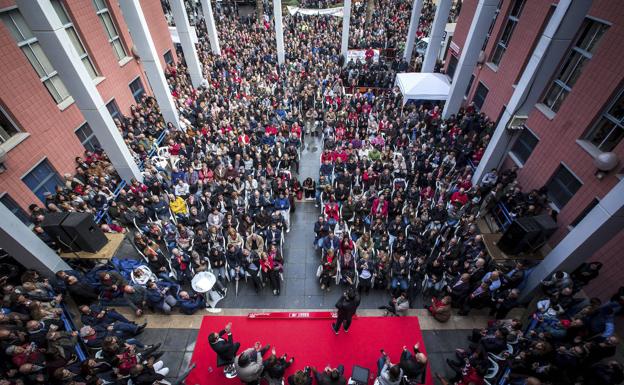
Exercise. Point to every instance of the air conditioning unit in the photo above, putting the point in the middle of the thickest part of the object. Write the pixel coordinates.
(516, 123)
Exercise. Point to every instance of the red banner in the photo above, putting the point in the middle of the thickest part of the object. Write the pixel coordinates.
(294, 315)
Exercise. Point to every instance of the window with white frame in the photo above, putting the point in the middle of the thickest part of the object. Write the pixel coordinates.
(136, 87)
(572, 66)
(562, 186)
(508, 29)
(74, 38)
(109, 26)
(19, 212)
(168, 57)
(87, 137)
(609, 129)
(480, 95)
(42, 179)
(29, 44)
(113, 109)
(496, 13)
(523, 146)
(7, 127)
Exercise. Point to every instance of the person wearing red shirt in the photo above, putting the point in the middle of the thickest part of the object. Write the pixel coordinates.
(465, 183)
(271, 130)
(332, 212)
(296, 129)
(327, 156)
(243, 139)
(369, 54)
(459, 198)
(174, 148)
(380, 207)
(476, 157)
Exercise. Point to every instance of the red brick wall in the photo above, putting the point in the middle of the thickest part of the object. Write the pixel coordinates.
(602, 77)
(463, 25)
(30, 105)
(158, 28)
(499, 81)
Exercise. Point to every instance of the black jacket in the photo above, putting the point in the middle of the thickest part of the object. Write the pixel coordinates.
(348, 307)
(411, 368)
(226, 349)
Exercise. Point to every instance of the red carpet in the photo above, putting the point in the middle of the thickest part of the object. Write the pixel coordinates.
(310, 341)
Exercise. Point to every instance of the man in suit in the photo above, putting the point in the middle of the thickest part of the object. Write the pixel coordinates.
(347, 306)
(330, 376)
(460, 289)
(413, 365)
(225, 349)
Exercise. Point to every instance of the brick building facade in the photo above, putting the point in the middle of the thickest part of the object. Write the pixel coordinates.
(41, 128)
(563, 134)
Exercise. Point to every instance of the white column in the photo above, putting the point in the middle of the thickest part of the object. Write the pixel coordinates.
(47, 27)
(599, 226)
(279, 30)
(545, 58)
(188, 43)
(25, 247)
(469, 55)
(142, 39)
(211, 27)
(436, 35)
(413, 27)
(346, 22)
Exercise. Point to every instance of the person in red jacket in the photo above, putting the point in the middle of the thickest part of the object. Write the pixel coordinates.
(332, 212)
(459, 198)
(380, 207)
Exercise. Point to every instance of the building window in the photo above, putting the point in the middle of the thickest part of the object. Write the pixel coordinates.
(508, 29)
(487, 37)
(480, 94)
(609, 130)
(524, 145)
(572, 66)
(136, 87)
(469, 86)
(452, 66)
(10, 204)
(29, 44)
(87, 137)
(42, 179)
(111, 31)
(113, 109)
(73, 37)
(168, 57)
(584, 213)
(7, 127)
(562, 187)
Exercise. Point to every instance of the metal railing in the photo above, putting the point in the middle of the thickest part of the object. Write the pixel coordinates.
(103, 213)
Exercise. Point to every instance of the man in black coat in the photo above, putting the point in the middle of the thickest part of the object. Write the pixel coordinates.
(460, 289)
(81, 292)
(225, 349)
(330, 376)
(413, 365)
(347, 306)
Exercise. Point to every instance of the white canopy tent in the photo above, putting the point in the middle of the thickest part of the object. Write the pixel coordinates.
(423, 86)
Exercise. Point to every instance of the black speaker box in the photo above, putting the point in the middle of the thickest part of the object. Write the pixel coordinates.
(52, 225)
(87, 234)
(75, 231)
(548, 226)
(519, 236)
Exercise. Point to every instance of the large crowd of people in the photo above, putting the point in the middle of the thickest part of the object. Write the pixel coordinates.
(398, 212)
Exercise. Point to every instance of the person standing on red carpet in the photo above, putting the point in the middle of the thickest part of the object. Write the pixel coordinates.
(347, 306)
